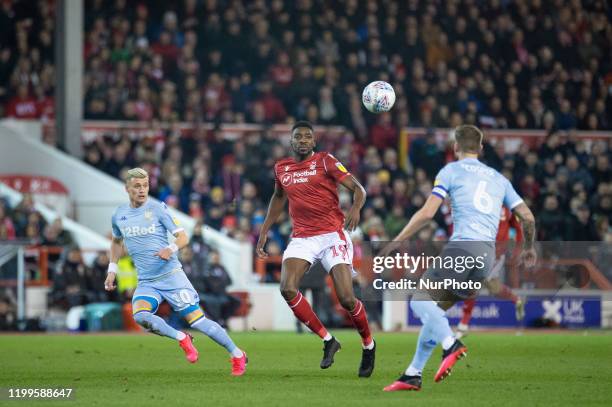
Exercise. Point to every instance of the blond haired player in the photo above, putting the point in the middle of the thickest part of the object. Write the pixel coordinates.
(143, 226)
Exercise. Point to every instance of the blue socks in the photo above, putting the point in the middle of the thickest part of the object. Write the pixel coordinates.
(424, 348)
(217, 334)
(435, 330)
(158, 326)
(155, 324)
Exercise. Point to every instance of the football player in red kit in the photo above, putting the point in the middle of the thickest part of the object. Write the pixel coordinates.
(493, 283)
(309, 181)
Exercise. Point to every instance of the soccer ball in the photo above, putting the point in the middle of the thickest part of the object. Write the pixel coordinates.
(378, 97)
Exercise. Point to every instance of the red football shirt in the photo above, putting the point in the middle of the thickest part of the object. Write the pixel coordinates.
(506, 221)
(312, 189)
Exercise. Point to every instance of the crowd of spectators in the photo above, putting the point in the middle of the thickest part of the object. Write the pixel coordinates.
(75, 281)
(522, 64)
(27, 59)
(499, 64)
(227, 184)
(25, 222)
(519, 64)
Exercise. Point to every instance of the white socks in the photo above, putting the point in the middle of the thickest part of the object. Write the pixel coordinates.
(180, 336)
(412, 371)
(328, 337)
(448, 342)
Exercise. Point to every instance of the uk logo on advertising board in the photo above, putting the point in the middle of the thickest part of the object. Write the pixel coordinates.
(564, 311)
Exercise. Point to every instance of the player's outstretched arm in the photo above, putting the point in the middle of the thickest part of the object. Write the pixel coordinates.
(529, 256)
(275, 208)
(416, 222)
(115, 254)
(359, 197)
(527, 220)
(420, 218)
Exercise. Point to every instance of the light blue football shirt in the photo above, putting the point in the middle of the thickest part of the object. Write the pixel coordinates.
(477, 193)
(145, 232)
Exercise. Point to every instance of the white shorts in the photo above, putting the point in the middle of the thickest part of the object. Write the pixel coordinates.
(329, 248)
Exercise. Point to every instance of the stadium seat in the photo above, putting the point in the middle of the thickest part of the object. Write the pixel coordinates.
(103, 316)
(245, 307)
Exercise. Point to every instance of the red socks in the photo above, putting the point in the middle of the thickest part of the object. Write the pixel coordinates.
(303, 311)
(360, 320)
(506, 293)
(468, 307)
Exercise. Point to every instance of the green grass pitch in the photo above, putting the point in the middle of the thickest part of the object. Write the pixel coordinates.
(573, 368)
